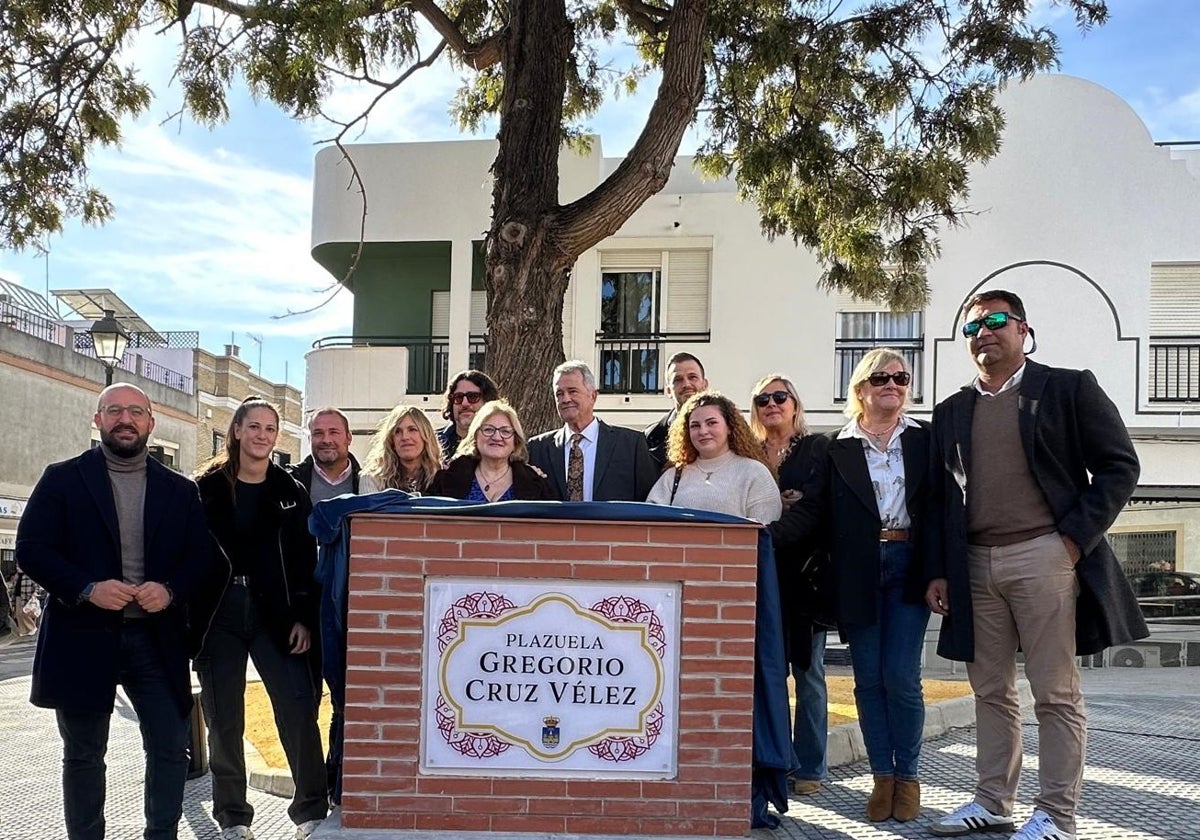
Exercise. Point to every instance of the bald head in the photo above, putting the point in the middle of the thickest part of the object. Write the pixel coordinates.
(124, 419)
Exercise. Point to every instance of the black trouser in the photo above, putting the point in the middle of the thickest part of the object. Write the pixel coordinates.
(164, 738)
(237, 632)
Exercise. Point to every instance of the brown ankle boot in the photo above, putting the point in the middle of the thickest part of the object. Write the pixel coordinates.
(906, 805)
(879, 804)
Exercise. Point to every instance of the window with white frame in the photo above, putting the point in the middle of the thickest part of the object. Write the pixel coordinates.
(648, 299)
(859, 332)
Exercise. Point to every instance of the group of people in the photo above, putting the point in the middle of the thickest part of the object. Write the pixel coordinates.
(992, 517)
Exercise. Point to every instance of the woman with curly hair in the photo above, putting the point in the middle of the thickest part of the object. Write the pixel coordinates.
(492, 462)
(718, 463)
(404, 455)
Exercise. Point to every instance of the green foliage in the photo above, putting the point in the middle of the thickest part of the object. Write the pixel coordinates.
(852, 125)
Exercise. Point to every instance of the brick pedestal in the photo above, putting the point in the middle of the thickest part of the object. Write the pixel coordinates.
(392, 556)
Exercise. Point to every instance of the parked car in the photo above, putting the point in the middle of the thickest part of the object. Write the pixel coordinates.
(1167, 594)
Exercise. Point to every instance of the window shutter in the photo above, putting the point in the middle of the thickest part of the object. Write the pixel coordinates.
(630, 259)
(439, 314)
(1175, 299)
(478, 312)
(687, 292)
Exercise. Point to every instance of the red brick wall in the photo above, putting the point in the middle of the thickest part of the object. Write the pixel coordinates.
(391, 556)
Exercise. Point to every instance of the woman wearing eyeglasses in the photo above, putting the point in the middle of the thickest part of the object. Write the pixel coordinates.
(873, 499)
(715, 463)
(777, 420)
(491, 463)
(404, 453)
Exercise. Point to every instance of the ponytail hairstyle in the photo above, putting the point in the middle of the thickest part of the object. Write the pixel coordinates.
(228, 459)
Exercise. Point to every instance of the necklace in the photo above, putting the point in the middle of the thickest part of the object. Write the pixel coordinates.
(716, 465)
(878, 437)
(488, 482)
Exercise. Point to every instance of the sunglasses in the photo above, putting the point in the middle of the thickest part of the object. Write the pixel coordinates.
(880, 378)
(993, 321)
(763, 400)
(472, 397)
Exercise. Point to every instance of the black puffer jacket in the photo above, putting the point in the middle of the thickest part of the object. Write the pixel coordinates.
(281, 583)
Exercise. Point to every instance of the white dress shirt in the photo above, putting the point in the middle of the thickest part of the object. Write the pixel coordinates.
(886, 467)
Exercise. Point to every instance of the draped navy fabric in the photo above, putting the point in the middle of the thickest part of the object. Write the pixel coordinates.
(772, 753)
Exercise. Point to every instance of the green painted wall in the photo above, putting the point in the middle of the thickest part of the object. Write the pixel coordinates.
(394, 282)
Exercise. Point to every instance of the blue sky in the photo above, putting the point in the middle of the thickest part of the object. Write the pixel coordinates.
(212, 226)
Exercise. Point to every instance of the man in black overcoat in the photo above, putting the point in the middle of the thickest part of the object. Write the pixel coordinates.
(1031, 466)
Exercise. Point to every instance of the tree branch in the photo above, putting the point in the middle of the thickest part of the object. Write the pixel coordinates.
(647, 167)
(650, 19)
(476, 56)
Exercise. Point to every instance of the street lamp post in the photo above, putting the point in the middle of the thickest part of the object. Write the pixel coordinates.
(110, 340)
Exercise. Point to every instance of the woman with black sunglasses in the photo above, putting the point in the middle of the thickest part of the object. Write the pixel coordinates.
(777, 420)
(872, 502)
(492, 462)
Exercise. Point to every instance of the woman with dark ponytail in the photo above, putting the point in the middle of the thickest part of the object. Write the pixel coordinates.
(265, 610)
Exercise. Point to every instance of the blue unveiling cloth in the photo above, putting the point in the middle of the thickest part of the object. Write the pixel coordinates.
(772, 755)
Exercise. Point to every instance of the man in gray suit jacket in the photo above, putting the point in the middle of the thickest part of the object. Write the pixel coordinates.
(588, 460)
(1031, 466)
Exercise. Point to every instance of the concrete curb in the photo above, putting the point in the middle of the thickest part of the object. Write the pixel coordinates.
(845, 741)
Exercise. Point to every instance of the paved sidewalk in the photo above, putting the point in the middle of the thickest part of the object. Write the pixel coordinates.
(1142, 780)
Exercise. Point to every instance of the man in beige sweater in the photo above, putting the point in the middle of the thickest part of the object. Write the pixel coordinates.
(1032, 465)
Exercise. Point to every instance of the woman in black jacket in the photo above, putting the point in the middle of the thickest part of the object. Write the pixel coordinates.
(265, 610)
(873, 502)
(492, 463)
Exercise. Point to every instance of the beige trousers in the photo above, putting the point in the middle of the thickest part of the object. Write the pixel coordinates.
(1025, 595)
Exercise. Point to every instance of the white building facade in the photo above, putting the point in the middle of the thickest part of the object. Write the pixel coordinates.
(1081, 213)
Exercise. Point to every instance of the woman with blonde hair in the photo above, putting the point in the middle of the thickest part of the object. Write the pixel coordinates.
(777, 420)
(491, 464)
(404, 455)
(717, 462)
(873, 501)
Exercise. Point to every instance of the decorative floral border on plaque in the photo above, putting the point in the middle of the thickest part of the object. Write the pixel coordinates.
(619, 609)
(475, 605)
(626, 609)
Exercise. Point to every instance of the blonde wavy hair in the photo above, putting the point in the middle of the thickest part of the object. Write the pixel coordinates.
(742, 441)
(382, 462)
(467, 447)
(877, 359)
(799, 425)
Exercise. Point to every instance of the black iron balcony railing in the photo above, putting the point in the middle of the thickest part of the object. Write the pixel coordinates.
(1175, 368)
(633, 363)
(30, 323)
(428, 356)
(848, 352)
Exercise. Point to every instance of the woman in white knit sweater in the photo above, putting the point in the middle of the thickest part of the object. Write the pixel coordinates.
(715, 463)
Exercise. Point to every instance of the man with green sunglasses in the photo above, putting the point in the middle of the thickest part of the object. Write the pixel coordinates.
(1033, 464)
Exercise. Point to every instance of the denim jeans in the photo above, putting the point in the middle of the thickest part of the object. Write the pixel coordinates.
(236, 633)
(164, 739)
(810, 729)
(333, 667)
(886, 657)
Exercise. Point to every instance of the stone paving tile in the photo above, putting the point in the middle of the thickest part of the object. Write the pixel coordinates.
(1142, 780)
(31, 789)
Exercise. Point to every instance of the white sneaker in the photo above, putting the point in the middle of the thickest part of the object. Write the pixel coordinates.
(1041, 827)
(971, 818)
(237, 832)
(306, 829)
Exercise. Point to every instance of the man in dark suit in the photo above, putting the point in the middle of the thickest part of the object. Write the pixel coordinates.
(1031, 466)
(120, 542)
(588, 460)
(685, 376)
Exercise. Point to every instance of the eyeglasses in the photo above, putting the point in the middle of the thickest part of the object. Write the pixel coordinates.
(114, 412)
(502, 432)
(472, 397)
(881, 377)
(763, 400)
(993, 321)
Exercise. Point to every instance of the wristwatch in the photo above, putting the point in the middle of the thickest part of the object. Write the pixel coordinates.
(86, 593)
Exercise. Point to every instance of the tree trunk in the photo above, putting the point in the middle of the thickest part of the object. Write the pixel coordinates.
(526, 273)
(533, 242)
